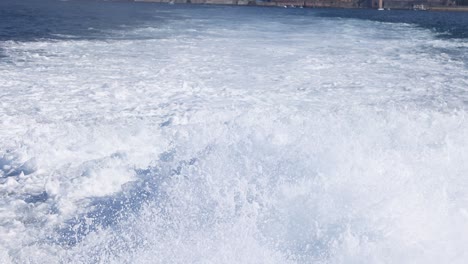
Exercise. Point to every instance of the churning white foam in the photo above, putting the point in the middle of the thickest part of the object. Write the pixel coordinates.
(337, 141)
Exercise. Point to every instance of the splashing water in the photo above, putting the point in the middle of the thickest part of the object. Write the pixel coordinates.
(234, 135)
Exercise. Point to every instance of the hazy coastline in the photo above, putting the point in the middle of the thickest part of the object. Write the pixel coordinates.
(428, 5)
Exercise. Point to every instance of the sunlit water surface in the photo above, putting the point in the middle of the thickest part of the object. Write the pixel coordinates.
(142, 133)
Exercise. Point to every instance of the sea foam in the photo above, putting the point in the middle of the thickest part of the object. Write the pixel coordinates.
(336, 141)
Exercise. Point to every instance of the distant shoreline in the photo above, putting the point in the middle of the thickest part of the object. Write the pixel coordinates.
(351, 4)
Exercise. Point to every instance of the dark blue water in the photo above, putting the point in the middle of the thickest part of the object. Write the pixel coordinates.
(28, 20)
(446, 24)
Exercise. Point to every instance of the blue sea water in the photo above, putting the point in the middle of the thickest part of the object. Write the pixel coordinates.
(35, 19)
(153, 133)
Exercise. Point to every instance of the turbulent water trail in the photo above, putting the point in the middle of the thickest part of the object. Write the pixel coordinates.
(278, 139)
